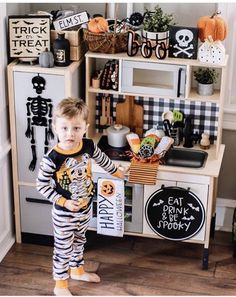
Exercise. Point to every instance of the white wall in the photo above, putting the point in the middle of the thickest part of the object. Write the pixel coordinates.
(7, 237)
(6, 209)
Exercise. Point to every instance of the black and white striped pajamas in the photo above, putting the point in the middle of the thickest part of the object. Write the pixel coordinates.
(68, 174)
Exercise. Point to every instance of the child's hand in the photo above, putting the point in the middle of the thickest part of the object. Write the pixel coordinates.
(119, 173)
(72, 205)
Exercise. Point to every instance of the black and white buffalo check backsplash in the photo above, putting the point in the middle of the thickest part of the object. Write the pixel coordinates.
(205, 114)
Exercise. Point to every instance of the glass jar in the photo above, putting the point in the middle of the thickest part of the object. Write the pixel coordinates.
(61, 49)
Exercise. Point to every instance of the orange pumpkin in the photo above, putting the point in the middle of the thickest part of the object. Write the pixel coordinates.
(98, 25)
(213, 25)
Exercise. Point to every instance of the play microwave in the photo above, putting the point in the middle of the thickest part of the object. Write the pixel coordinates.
(153, 79)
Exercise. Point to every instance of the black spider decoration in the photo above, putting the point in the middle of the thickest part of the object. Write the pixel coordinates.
(136, 19)
(39, 113)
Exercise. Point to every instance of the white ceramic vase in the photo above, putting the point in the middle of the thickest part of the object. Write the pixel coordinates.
(155, 37)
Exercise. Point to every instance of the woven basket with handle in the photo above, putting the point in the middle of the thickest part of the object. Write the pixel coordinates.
(108, 42)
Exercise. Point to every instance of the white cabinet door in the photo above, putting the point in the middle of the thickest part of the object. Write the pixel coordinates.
(38, 112)
(148, 192)
(201, 191)
(177, 214)
(35, 210)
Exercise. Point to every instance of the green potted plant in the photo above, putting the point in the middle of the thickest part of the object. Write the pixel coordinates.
(156, 25)
(206, 77)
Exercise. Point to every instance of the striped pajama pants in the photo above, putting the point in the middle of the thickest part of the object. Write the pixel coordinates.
(69, 239)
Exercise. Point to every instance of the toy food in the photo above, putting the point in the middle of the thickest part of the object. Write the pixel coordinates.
(151, 140)
(134, 142)
(98, 25)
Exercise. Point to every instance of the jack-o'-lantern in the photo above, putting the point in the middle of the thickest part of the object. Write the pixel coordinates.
(214, 26)
(98, 25)
(108, 188)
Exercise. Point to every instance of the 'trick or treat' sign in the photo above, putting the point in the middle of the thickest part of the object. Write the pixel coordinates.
(110, 207)
(175, 213)
(28, 35)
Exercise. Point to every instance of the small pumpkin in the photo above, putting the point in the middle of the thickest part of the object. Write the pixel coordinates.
(98, 25)
(214, 26)
(46, 59)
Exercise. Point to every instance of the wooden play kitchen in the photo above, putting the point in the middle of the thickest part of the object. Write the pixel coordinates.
(181, 205)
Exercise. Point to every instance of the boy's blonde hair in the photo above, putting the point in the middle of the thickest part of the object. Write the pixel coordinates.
(71, 107)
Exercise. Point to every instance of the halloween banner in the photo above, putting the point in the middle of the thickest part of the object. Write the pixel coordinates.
(110, 207)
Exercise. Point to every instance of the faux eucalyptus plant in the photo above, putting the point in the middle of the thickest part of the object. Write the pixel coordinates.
(205, 75)
(157, 20)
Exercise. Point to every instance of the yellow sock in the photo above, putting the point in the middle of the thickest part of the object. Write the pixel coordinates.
(61, 284)
(77, 270)
(78, 273)
(61, 288)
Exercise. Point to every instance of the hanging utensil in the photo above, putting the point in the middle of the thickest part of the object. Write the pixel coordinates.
(108, 110)
(167, 127)
(103, 117)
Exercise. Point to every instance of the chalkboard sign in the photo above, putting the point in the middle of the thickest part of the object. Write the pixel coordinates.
(175, 213)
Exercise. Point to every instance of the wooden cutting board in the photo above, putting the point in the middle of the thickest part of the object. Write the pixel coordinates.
(130, 114)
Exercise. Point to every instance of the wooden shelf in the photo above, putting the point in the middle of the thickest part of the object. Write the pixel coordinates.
(194, 96)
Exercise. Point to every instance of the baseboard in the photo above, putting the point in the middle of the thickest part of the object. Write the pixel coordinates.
(5, 246)
(224, 214)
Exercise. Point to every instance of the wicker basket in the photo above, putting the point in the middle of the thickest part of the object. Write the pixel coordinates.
(109, 43)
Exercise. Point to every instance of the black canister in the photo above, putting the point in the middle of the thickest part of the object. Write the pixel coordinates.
(61, 49)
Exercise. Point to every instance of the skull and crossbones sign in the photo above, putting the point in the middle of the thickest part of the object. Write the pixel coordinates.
(184, 38)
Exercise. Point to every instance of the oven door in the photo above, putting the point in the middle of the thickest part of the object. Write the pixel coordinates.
(133, 205)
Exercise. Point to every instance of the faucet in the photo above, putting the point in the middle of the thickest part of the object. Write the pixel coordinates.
(188, 132)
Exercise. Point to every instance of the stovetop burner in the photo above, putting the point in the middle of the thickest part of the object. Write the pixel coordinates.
(114, 153)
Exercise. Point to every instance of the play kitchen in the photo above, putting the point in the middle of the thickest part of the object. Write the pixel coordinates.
(154, 97)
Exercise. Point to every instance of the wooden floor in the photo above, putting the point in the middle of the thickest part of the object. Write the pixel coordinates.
(127, 266)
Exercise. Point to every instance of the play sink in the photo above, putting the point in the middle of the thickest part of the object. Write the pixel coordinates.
(185, 157)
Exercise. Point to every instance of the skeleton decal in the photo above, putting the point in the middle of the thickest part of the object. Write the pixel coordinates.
(183, 42)
(39, 113)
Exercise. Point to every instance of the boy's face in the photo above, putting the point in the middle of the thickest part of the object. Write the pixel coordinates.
(69, 131)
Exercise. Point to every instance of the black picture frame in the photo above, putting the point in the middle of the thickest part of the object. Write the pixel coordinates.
(28, 35)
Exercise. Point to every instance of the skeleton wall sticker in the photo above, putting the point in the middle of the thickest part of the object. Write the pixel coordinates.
(183, 42)
(39, 113)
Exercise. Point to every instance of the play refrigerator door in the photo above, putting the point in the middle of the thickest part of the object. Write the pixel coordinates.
(36, 94)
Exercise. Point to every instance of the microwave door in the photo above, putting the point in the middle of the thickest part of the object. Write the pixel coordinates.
(152, 79)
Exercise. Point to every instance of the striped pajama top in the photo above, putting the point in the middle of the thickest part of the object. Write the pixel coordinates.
(66, 174)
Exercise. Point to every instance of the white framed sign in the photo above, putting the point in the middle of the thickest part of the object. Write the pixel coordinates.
(110, 207)
(71, 21)
(28, 35)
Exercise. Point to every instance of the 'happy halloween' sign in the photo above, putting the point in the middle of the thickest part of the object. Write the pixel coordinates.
(28, 35)
(110, 207)
(175, 213)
